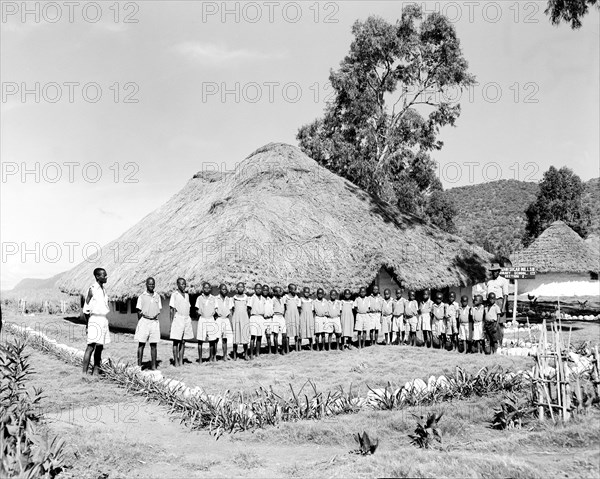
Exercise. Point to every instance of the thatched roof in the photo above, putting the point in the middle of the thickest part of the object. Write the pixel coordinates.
(557, 250)
(277, 218)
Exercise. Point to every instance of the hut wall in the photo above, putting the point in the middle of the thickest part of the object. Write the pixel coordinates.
(384, 280)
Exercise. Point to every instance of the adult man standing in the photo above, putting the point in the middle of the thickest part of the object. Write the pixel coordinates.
(499, 286)
(95, 311)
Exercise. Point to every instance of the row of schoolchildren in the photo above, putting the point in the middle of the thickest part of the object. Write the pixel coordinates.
(246, 319)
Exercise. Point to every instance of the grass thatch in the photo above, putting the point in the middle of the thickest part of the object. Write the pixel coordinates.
(279, 218)
(558, 249)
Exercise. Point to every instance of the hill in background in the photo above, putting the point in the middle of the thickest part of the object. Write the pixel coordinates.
(492, 215)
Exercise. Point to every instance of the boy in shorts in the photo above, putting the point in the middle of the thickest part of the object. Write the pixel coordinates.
(148, 327)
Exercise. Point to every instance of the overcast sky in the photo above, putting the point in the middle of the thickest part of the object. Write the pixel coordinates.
(131, 101)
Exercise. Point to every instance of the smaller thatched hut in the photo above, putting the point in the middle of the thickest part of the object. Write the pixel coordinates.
(565, 265)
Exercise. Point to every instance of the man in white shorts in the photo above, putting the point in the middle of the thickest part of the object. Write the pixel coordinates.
(333, 325)
(224, 308)
(207, 326)
(181, 323)
(148, 328)
(95, 312)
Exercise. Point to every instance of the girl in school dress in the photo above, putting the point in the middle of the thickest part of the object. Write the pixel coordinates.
(240, 321)
(307, 317)
(292, 317)
(347, 319)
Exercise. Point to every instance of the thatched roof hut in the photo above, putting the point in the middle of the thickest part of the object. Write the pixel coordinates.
(279, 217)
(558, 249)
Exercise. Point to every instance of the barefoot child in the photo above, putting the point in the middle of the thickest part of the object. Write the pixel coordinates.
(399, 328)
(465, 321)
(438, 321)
(363, 318)
(411, 313)
(292, 317)
(452, 319)
(256, 312)
(278, 324)
(95, 311)
(425, 318)
(307, 318)
(478, 312)
(240, 321)
(223, 312)
(376, 302)
(490, 322)
(266, 292)
(148, 328)
(334, 323)
(321, 306)
(347, 319)
(387, 310)
(207, 326)
(181, 323)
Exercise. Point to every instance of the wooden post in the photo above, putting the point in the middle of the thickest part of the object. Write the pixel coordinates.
(515, 301)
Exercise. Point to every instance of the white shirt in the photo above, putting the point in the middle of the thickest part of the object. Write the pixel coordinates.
(98, 304)
(499, 286)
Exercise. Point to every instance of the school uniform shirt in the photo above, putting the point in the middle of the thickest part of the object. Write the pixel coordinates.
(278, 306)
(180, 302)
(492, 312)
(268, 307)
(399, 305)
(411, 308)
(362, 305)
(452, 310)
(223, 306)
(98, 304)
(478, 313)
(321, 307)
(149, 304)
(256, 305)
(438, 310)
(426, 306)
(498, 286)
(335, 308)
(206, 306)
(375, 304)
(387, 307)
(464, 314)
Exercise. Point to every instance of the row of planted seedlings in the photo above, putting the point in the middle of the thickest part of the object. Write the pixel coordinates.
(231, 412)
(26, 448)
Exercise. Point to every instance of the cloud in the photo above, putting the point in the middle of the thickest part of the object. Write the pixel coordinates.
(217, 55)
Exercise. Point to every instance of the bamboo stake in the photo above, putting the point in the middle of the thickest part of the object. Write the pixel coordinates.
(596, 371)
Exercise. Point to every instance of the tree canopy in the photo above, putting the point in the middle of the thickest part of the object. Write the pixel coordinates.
(559, 198)
(391, 99)
(569, 11)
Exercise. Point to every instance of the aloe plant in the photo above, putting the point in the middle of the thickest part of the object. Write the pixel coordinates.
(426, 432)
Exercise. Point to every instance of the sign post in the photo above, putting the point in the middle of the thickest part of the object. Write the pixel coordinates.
(516, 273)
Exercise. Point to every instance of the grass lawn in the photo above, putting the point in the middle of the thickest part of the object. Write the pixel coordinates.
(374, 366)
(109, 432)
